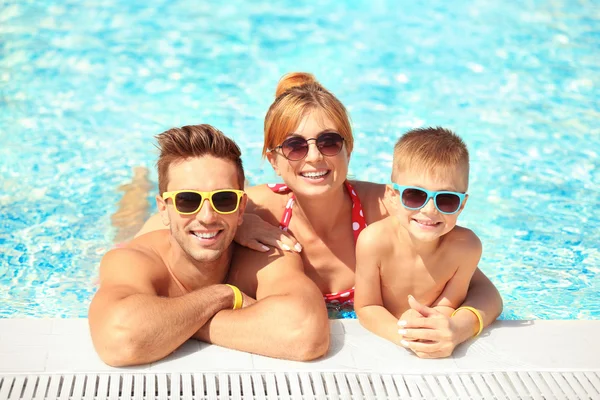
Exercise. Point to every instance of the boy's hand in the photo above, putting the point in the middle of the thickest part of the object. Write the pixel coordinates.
(408, 316)
(428, 332)
(405, 320)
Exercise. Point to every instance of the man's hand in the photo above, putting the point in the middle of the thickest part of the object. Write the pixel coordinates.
(287, 321)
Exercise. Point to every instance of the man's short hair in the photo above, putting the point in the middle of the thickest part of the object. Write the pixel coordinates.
(178, 144)
(430, 150)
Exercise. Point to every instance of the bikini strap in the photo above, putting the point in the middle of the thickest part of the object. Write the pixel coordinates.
(287, 213)
(358, 217)
(279, 187)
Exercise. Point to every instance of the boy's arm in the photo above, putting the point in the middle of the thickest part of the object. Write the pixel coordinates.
(130, 324)
(368, 301)
(455, 291)
(289, 319)
(484, 297)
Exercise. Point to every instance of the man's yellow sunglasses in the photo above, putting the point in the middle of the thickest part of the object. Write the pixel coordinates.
(186, 202)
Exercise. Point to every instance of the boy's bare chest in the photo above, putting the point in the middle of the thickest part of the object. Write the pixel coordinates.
(425, 279)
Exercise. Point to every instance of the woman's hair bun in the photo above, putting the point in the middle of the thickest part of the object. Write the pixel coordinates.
(293, 79)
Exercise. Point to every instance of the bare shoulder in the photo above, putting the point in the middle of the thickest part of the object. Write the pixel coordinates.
(138, 264)
(464, 241)
(266, 203)
(372, 196)
(249, 266)
(376, 238)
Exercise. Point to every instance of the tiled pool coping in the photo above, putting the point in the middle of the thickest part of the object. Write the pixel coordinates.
(64, 345)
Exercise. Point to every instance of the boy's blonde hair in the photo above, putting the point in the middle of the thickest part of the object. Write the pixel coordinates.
(432, 150)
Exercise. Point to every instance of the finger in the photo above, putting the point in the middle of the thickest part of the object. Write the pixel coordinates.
(419, 334)
(420, 346)
(283, 246)
(406, 338)
(420, 308)
(256, 245)
(435, 354)
(290, 242)
(419, 323)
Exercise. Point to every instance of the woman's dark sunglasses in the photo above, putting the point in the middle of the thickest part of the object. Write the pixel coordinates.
(295, 148)
(415, 198)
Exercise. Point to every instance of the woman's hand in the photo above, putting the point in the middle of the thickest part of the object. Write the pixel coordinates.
(257, 234)
(428, 332)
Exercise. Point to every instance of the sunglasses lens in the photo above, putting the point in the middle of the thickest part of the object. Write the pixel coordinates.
(330, 144)
(447, 202)
(294, 148)
(225, 201)
(413, 198)
(187, 202)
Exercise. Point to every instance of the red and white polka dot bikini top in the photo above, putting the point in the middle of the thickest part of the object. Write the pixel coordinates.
(358, 224)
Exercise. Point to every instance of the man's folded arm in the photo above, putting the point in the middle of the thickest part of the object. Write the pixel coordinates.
(289, 319)
(131, 324)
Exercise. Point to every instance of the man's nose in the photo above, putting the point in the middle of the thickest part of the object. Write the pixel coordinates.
(206, 214)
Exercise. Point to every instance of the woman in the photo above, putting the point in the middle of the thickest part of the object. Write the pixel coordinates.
(308, 141)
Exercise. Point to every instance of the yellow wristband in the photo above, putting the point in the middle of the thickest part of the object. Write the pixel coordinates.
(477, 314)
(237, 297)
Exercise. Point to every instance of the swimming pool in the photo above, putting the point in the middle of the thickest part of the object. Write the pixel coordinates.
(84, 87)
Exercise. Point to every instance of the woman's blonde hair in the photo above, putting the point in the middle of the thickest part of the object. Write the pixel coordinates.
(298, 93)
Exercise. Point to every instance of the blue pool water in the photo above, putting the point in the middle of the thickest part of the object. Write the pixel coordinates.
(84, 86)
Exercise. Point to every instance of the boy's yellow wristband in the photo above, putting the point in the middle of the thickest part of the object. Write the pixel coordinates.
(477, 314)
(237, 297)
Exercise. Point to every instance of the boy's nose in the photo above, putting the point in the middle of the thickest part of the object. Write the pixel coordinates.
(429, 207)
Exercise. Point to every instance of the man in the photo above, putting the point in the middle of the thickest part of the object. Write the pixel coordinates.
(166, 287)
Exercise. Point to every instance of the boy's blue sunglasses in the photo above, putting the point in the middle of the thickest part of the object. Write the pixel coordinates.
(415, 198)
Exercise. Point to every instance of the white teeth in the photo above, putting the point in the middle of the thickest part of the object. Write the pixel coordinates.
(428, 223)
(205, 235)
(314, 174)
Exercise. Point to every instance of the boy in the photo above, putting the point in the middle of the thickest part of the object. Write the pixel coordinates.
(418, 250)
